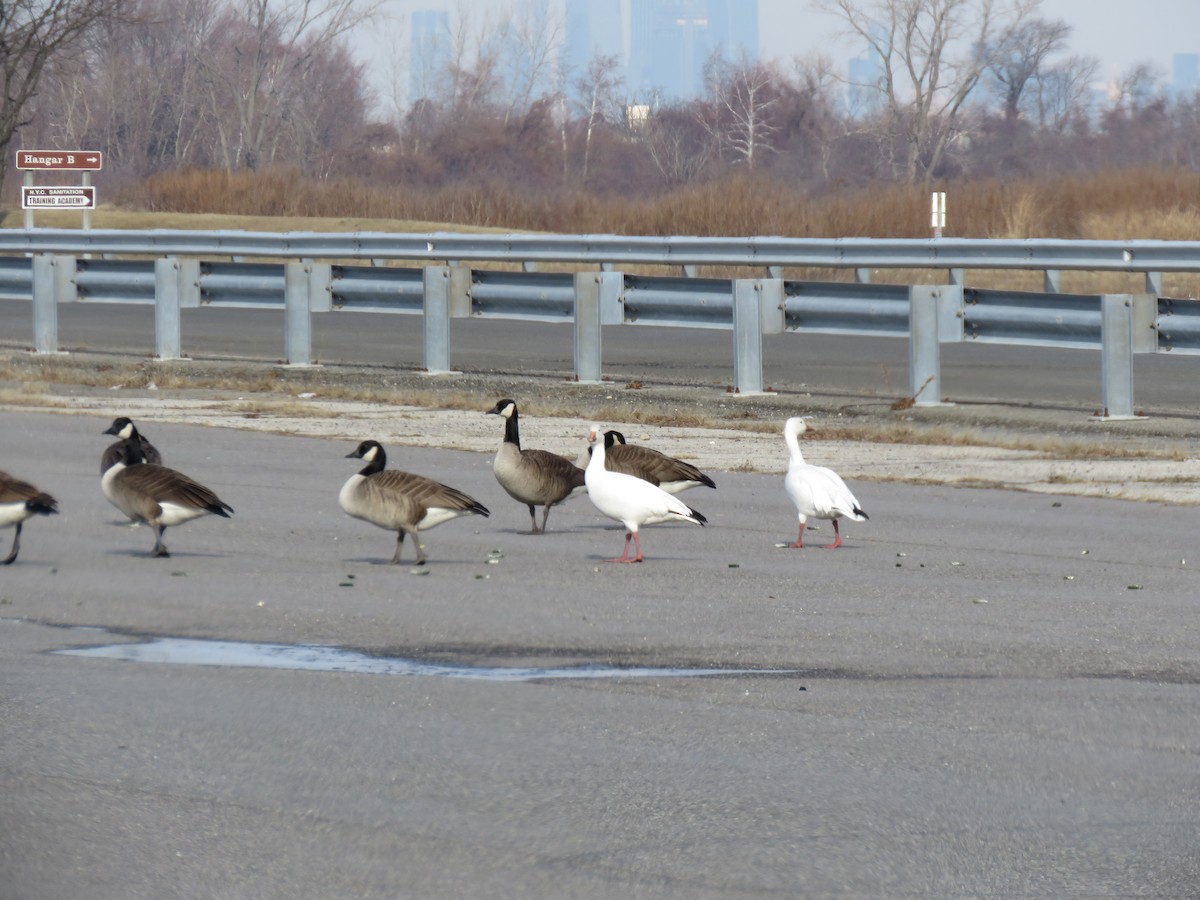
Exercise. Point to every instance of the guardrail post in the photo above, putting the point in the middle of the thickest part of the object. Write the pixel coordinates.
(951, 314)
(45, 305)
(436, 283)
(771, 301)
(189, 283)
(1116, 353)
(587, 327)
(461, 282)
(862, 276)
(1052, 281)
(65, 288)
(320, 287)
(167, 329)
(612, 298)
(1154, 283)
(747, 336)
(924, 353)
(297, 314)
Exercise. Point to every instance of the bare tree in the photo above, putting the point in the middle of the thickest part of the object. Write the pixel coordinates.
(135, 89)
(742, 96)
(1062, 92)
(933, 54)
(32, 34)
(272, 44)
(527, 39)
(1135, 88)
(1024, 57)
(597, 98)
(470, 81)
(677, 144)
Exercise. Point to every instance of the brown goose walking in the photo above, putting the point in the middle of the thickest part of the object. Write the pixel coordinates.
(156, 495)
(20, 500)
(533, 477)
(401, 501)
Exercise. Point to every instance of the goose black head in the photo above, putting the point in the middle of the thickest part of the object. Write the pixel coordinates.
(122, 427)
(368, 450)
(505, 407)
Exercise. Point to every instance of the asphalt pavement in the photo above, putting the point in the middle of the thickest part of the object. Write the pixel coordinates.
(988, 693)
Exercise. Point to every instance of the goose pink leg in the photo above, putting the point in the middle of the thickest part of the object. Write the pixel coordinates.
(837, 538)
(798, 544)
(624, 557)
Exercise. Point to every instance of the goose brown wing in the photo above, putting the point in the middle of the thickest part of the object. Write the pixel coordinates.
(14, 490)
(556, 467)
(653, 465)
(168, 486)
(409, 488)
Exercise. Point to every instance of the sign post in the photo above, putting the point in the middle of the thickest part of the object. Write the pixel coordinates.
(81, 197)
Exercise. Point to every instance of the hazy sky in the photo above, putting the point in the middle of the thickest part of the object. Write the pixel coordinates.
(1146, 31)
(1162, 28)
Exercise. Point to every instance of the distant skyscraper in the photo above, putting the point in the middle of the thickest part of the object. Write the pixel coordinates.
(735, 27)
(671, 40)
(592, 28)
(430, 51)
(1185, 69)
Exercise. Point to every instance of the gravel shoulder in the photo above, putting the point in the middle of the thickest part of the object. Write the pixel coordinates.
(1025, 448)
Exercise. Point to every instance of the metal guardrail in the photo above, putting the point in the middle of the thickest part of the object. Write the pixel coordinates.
(1118, 325)
(860, 253)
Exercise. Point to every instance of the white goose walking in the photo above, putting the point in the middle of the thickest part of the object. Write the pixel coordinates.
(632, 502)
(818, 492)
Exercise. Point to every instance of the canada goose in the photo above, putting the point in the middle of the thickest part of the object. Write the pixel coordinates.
(632, 501)
(401, 501)
(124, 428)
(532, 477)
(670, 474)
(818, 492)
(19, 500)
(156, 495)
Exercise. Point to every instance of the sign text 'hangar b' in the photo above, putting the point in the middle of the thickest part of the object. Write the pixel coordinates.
(60, 160)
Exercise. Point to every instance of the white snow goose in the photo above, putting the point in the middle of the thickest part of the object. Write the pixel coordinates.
(818, 492)
(632, 501)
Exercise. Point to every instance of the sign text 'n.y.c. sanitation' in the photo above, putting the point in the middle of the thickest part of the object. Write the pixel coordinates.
(76, 197)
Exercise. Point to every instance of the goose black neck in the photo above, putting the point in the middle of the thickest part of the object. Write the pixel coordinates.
(131, 450)
(375, 465)
(512, 433)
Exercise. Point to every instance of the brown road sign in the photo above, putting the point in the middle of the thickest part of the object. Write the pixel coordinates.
(68, 160)
(74, 197)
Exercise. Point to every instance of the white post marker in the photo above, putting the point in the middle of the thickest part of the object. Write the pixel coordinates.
(938, 213)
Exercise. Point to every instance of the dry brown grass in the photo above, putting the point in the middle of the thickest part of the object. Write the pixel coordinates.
(1120, 205)
(1124, 204)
